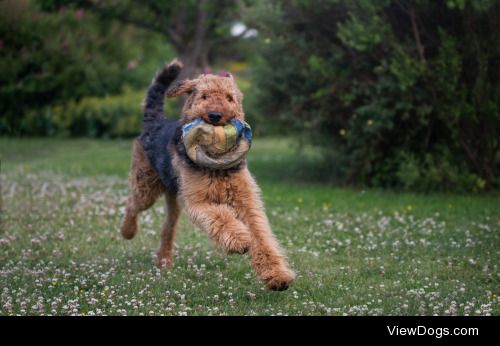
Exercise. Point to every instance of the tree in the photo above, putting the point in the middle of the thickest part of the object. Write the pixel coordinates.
(192, 27)
(50, 59)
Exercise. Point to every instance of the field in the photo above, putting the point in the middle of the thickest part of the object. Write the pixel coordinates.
(356, 252)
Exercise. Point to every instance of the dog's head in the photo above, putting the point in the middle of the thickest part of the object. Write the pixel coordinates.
(214, 98)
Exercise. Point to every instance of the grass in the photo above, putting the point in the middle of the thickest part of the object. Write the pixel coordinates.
(356, 252)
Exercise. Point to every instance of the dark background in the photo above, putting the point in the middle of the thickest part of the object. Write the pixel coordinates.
(393, 94)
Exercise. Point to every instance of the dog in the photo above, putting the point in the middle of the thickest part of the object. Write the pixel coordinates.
(225, 204)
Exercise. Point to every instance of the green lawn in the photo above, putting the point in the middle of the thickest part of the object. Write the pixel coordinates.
(356, 252)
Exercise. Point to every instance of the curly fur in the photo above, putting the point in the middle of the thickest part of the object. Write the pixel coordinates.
(226, 204)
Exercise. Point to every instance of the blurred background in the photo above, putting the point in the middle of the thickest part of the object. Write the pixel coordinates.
(380, 93)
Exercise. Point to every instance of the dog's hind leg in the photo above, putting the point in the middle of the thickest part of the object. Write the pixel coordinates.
(164, 255)
(146, 187)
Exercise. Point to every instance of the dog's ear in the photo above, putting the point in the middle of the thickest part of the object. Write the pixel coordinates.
(185, 86)
(227, 74)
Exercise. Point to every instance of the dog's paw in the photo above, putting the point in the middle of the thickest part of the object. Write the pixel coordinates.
(280, 281)
(163, 262)
(239, 244)
(129, 227)
(241, 250)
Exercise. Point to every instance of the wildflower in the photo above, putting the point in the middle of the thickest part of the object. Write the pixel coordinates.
(79, 13)
(132, 64)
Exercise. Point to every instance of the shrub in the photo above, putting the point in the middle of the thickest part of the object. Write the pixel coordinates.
(110, 116)
(51, 59)
(399, 94)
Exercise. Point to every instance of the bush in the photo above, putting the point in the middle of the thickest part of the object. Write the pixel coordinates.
(399, 94)
(109, 117)
(51, 59)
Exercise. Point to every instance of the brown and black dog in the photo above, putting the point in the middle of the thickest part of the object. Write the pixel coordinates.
(226, 204)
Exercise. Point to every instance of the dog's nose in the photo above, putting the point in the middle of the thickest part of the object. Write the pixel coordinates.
(214, 117)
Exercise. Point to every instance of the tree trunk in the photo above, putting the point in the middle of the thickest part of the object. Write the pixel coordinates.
(194, 54)
(194, 63)
(194, 51)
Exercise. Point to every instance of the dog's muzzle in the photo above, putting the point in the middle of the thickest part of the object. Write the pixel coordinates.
(214, 117)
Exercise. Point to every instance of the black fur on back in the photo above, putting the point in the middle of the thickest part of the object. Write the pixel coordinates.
(158, 131)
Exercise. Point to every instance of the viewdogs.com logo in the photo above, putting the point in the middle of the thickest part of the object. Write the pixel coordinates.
(429, 331)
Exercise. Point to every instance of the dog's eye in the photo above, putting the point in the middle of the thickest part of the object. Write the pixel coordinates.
(229, 98)
(204, 96)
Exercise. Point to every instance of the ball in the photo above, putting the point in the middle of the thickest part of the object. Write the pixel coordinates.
(217, 147)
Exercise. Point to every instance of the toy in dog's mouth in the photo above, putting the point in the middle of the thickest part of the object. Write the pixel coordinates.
(217, 147)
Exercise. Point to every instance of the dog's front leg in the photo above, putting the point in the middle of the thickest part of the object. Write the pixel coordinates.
(268, 259)
(197, 193)
(220, 223)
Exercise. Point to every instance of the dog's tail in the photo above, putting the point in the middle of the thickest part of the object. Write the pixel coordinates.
(153, 104)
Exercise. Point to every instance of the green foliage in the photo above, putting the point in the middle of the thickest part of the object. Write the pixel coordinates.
(396, 94)
(97, 117)
(52, 59)
(360, 34)
(199, 31)
(401, 94)
(108, 117)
